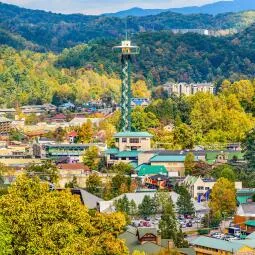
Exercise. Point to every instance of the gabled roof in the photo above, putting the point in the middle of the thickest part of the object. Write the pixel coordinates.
(246, 242)
(217, 244)
(151, 170)
(133, 134)
(144, 231)
(89, 199)
(128, 154)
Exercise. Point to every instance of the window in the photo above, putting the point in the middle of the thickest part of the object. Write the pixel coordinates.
(124, 140)
(207, 188)
(134, 140)
(117, 140)
(200, 188)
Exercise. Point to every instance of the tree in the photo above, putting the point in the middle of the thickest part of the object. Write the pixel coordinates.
(55, 222)
(91, 157)
(225, 171)
(122, 168)
(169, 228)
(72, 184)
(120, 184)
(142, 121)
(184, 203)
(189, 163)
(184, 136)
(133, 208)
(123, 205)
(147, 207)
(47, 171)
(219, 205)
(248, 146)
(161, 199)
(86, 132)
(94, 184)
(5, 238)
(140, 90)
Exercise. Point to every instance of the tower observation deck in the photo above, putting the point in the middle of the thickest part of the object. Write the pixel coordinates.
(126, 50)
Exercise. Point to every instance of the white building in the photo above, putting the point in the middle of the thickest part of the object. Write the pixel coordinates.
(188, 89)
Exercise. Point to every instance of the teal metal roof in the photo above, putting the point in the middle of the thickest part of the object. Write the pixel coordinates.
(246, 242)
(217, 244)
(169, 158)
(251, 236)
(243, 199)
(250, 223)
(151, 170)
(134, 164)
(133, 134)
(128, 154)
(112, 151)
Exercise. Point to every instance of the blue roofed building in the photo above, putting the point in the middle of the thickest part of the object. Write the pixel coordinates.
(139, 102)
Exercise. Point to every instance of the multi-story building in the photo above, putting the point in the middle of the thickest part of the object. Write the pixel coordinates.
(200, 188)
(188, 88)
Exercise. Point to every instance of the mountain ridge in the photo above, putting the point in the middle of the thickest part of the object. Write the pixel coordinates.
(214, 9)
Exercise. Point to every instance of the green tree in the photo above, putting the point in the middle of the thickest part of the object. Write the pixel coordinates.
(189, 163)
(47, 171)
(123, 205)
(184, 203)
(53, 222)
(147, 207)
(218, 204)
(133, 208)
(169, 226)
(248, 146)
(122, 168)
(120, 184)
(225, 171)
(72, 184)
(91, 157)
(94, 184)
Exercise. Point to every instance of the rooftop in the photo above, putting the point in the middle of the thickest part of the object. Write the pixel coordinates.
(217, 244)
(128, 154)
(169, 158)
(151, 170)
(250, 223)
(133, 134)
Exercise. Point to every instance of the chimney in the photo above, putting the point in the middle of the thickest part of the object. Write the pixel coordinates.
(158, 239)
(170, 245)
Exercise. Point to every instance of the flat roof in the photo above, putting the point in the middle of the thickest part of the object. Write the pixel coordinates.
(169, 158)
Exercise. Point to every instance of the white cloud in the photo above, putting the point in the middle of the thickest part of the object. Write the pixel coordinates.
(102, 6)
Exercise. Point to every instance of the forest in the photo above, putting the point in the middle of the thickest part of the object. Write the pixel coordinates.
(53, 32)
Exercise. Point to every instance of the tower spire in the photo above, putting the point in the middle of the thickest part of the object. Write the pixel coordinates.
(127, 50)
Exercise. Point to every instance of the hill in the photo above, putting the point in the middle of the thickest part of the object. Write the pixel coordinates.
(214, 8)
(164, 56)
(54, 32)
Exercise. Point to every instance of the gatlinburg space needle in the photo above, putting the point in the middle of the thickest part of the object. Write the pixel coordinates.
(127, 50)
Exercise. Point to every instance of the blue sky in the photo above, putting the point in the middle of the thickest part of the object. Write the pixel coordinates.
(102, 6)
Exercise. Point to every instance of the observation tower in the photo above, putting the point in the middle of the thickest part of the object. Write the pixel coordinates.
(126, 50)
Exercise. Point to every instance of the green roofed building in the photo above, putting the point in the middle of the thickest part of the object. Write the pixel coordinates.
(244, 196)
(147, 170)
(206, 245)
(223, 156)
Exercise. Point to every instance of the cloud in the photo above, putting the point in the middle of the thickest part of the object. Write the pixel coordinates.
(102, 6)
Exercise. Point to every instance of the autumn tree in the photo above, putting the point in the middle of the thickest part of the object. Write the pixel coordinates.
(189, 163)
(86, 132)
(91, 157)
(55, 222)
(223, 198)
(122, 168)
(184, 136)
(94, 184)
(120, 184)
(5, 238)
(140, 90)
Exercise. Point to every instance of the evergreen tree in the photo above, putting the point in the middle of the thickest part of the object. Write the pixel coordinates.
(133, 208)
(184, 203)
(169, 226)
(147, 207)
(123, 205)
(248, 146)
(189, 163)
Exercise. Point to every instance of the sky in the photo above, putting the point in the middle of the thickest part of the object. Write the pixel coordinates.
(102, 6)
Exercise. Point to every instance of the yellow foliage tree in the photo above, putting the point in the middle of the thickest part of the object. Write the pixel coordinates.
(55, 222)
(140, 90)
(223, 198)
